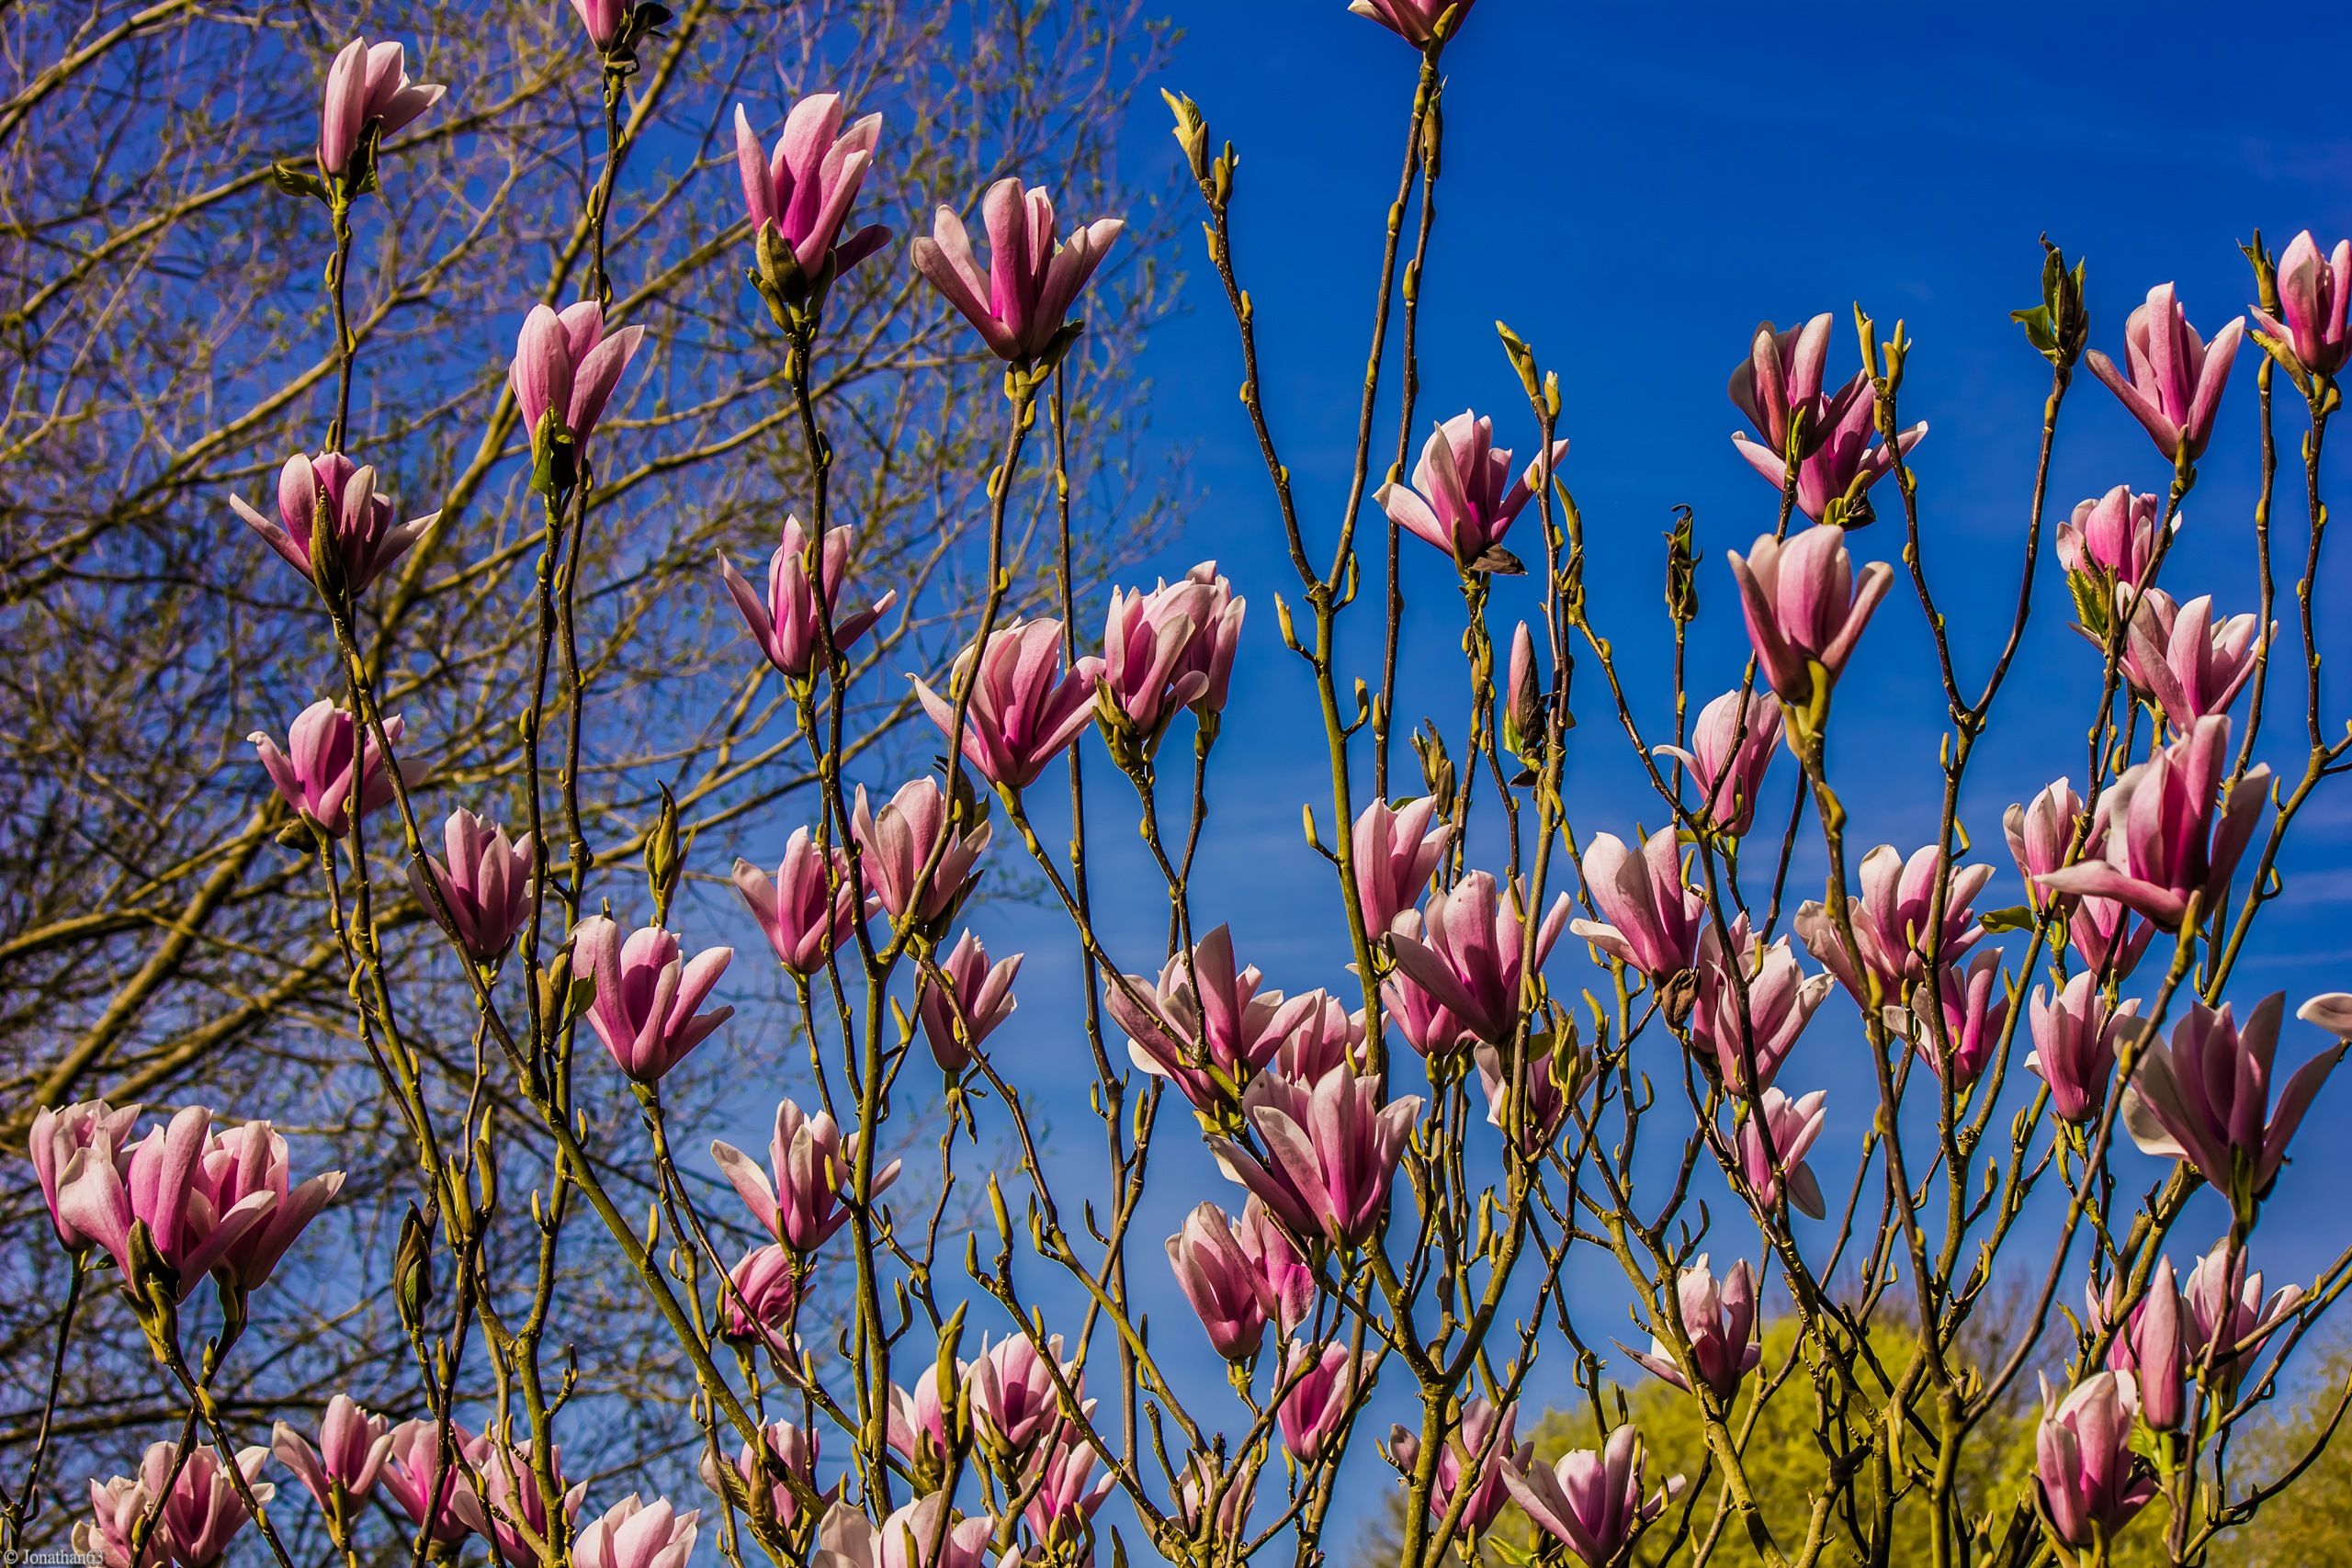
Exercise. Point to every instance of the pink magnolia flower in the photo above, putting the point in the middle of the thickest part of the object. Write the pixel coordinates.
(1207, 1024)
(918, 1420)
(58, 1135)
(1015, 1404)
(1466, 957)
(2162, 841)
(1654, 918)
(425, 1481)
(977, 997)
(1064, 1494)
(349, 1459)
(1840, 457)
(899, 841)
(2185, 662)
(250, 1161)
(631, 1534)
(1780, 1002)
(1290, 1279)
(2226, 1316)
(1731, 748)
(367, 83)
(603, 19)
(1548, 1104)
(761, 1296)
(2312, 292)
(1484, 1437)
(814, 1166)
(1415, 21)
(2206, 1099)
(2040, 834)
(1227, 1291)
(1975, 1005)
(160, 1183)
(1332, 1153)
(2174, 386)
(1720, 1318)
(1024, 710)
(805, 187)
(314, 773)
(2149, 1346)
(1795, 1126)
(1524, 719)
(1591, 1502)
(1891, 921)
(2090, 1482)
(1395, 851)
(1167, 650)
(486, 882)
(786, 628)
(200, 1514)
(925, 1533)
(808, 909)
(1315, 1395)
(646, 993)
(1464, 497)
(1320, 1035)
(1021, 303)
(1210, 1503)
(566, 367)
(328, 492)
(503, 1506)
(1802, 607)
(1427, 1024)
(790, 1451)
(2075, 1041)
(2113, 536)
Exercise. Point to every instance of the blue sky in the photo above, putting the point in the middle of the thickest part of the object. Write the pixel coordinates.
(1632, 188)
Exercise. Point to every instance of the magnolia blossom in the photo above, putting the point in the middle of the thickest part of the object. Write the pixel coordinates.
(1021, 303)
(631, 1534)
(314, 773)
(807, 910)
(813, 1167)
(1753, 1004)
(1164, 651)
(166, 1182)
(1719, 1318)
(804, 189)
(485, 883)
(2173, 383)
(899, 842)
(1891, 921)
(1206, 1024)
(2114, 537)
(2074, 1039)
(250, 1161)
(790, 1452)
(1331, 1152)
(1591, 1502)
(1291, 1282)
(2109, 937)
(368, 84)
(2185, 662)
(1466, 957)
(1731, 748)
(761, 1297)
(918, 1420)
(1395, 851)
(1464, 497)
(1064, 1492)
(976, 998)
(1214, 1504)
(1795, 1126)
(2169, 834)
(328, 494)
(565, 370)
(426, 1480)
(1838, 456)
(925, 1533)
(353, 1446)
(2207, 1099)
(647, 992)
(2090, 1482)
(1415, 21)
(2226, 1316)
(1802, 606)
(785, 627)
(1232, 1298)
(1484, 1438)
(1973, 1004)
(1315, 1392)
(2149, 1344)
(1546, 1101)
(1016, 1402)
(59, 1135)
(603, 19)
(2312, 292)
(1023, 710)
(201, 1511)
(1654, 918)
(503, 1506)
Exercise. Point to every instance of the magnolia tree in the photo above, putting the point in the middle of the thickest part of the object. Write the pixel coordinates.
(1413, 1157)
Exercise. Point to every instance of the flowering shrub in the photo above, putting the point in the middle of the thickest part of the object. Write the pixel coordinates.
(1415, 1160)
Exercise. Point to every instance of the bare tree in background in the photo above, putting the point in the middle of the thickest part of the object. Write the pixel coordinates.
(161, 337)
